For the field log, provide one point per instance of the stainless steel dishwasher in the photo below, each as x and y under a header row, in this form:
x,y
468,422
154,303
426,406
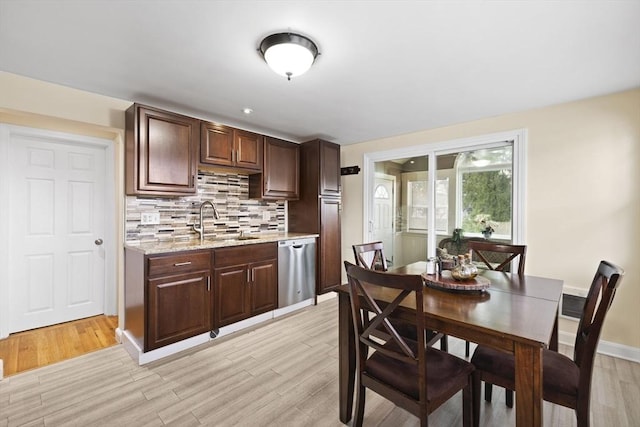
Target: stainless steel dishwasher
x,y
296,271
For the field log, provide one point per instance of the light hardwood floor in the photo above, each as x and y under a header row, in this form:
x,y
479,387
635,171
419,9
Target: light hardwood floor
x,y
283,373
32,349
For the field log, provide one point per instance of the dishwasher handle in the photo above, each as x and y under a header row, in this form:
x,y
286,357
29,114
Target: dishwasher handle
x,y
296,243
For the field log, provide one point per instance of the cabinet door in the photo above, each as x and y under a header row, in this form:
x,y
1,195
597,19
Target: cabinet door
x,y
216,144
166,153
281,169
329,169
264,286
280,177
248,149
232,298
330,248
179,307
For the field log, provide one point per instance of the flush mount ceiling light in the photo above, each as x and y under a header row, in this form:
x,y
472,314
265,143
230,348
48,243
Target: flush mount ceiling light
x,y
288,54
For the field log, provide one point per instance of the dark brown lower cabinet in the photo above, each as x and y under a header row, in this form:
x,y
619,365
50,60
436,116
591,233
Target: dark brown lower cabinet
x,y
179,307
231,294
178,297
330,249
246,282
173,296
167,296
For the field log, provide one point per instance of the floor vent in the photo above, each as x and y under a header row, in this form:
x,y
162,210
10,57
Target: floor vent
x,y
572,302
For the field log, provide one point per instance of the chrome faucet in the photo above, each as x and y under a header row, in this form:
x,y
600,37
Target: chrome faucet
x,y
216,215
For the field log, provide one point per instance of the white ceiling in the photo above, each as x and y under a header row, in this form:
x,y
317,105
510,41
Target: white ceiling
x,y
386,67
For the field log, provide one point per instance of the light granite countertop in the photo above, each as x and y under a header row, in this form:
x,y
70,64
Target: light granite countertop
x,y
149,248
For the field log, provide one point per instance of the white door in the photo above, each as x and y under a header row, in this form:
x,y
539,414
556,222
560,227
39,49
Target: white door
x,y
57,223
383,213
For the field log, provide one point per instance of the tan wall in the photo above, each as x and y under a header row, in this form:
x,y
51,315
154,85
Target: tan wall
x,y
583,188
582,194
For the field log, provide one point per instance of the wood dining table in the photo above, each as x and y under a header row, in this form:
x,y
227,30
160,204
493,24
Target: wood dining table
x,y
516,314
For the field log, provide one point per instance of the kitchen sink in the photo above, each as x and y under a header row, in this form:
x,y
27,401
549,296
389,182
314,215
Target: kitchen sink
x,y
247,238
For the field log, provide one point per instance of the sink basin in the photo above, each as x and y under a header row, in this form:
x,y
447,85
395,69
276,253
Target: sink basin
x,y
247,237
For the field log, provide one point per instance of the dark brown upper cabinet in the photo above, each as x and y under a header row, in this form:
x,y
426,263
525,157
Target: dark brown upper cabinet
x,y
280,177
329,172
231,148
160,152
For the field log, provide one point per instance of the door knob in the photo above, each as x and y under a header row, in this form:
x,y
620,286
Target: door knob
x,y
98,242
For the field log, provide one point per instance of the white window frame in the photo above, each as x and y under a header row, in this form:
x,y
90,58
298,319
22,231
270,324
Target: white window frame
x,y
459,172
519,138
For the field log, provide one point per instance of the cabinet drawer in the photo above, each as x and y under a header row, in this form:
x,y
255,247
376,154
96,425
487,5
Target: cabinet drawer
x,y
178,262
245,254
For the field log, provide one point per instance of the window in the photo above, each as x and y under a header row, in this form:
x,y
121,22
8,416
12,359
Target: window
x,y
485,194
451,201
381,192
418,204
442,205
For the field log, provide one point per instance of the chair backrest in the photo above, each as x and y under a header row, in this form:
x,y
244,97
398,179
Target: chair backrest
x,y
483,251
599,299
363,283
370,255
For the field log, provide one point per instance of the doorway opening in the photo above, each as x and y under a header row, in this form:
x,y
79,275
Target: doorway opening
x,y
474,185
60,225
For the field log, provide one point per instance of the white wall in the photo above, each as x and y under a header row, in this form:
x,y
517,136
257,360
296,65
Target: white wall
x,y
582,189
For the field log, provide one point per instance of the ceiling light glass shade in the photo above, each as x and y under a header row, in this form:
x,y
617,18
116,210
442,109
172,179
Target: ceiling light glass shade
x,y
288,54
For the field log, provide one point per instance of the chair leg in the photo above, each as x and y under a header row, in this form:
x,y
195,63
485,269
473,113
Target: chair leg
x,y
444,343
424,420
467,406
488,388
508,396
582,414
360,400
476,383
466,349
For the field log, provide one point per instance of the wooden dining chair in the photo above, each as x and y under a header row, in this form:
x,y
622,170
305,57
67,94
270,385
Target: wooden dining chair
x,y
565,381
490,253
412,375
371,256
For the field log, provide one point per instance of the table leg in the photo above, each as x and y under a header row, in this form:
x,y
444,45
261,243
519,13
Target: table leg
x,y
528,385
553,344
347,358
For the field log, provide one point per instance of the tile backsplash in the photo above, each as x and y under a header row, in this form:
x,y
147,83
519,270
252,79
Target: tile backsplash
x,y
228,192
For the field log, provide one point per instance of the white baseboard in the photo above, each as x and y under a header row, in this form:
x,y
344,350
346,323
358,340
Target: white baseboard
x,y
327,296
1,370
605,347
294,307
135,351
142,358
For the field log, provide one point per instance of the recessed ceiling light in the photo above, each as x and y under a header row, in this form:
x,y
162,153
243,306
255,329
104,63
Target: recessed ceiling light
x,y
247,111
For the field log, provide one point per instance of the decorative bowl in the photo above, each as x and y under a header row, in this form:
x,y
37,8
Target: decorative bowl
x,y
456,274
